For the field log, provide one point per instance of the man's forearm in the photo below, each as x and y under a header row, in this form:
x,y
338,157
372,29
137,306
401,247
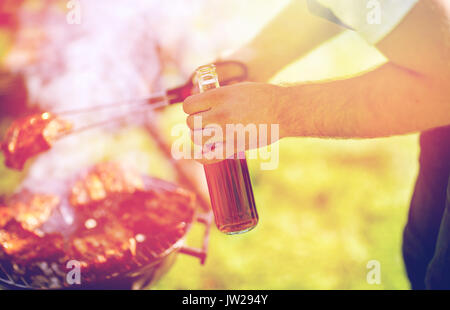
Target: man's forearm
x,y
387,101
289,36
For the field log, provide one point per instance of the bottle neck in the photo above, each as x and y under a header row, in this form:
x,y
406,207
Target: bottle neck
x,y
207,78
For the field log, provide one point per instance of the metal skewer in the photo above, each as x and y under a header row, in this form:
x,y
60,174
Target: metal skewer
x,y
114,120
169,96
159,99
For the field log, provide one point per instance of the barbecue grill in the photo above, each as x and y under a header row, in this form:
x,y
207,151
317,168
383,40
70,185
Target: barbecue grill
x,y
144,265
142,277
137,271
135,267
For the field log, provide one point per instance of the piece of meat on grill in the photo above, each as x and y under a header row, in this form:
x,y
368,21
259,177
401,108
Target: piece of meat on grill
x,y
145,205
151,213
32,210
105,180
5,216
104,248
25,246
123,223
31,136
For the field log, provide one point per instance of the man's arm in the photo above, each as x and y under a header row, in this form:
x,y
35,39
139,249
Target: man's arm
x,y
289,36
409,94
388,101
421,42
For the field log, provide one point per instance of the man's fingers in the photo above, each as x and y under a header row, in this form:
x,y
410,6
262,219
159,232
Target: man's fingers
x,y
220,151
198,121
202,119
196,104
203,102
209,134
193,122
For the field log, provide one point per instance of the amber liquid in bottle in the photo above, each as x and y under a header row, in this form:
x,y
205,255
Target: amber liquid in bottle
x,y
229,183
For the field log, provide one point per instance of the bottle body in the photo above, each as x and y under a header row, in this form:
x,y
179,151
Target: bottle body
x,y
231,195
229,183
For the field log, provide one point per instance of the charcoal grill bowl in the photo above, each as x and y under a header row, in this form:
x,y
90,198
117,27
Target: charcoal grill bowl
x,y
136,280
139,278
151,274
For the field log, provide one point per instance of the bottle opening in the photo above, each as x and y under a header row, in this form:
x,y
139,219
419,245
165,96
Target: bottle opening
x,y
207,77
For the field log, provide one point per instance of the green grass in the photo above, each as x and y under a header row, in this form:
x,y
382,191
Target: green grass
x,y
329,208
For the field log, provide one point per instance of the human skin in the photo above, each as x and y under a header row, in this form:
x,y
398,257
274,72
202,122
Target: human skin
x,y
409,93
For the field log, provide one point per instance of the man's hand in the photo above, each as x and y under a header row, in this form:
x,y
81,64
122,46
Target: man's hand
x,y
241,104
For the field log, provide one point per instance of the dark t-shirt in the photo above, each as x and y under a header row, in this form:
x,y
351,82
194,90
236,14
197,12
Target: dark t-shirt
x,y
426,243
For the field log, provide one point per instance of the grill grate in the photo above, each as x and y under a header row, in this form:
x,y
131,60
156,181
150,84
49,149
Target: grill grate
x,y
48,274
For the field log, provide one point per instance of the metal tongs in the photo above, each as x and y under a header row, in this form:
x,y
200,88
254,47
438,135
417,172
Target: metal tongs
x,y
230,72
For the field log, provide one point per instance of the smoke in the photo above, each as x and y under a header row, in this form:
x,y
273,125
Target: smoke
x,y
120,50
114,54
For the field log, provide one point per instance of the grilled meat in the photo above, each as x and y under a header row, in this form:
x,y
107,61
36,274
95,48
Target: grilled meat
x,y
25,247
32,210
31,136
5,216
123,222
105,180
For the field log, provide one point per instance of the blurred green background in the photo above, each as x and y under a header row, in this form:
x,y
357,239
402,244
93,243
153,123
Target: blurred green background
x,y
328,209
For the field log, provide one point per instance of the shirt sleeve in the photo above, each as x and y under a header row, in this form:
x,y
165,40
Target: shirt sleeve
x,y
372,19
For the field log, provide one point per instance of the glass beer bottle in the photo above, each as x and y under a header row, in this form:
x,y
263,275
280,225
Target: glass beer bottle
x,y
229,184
